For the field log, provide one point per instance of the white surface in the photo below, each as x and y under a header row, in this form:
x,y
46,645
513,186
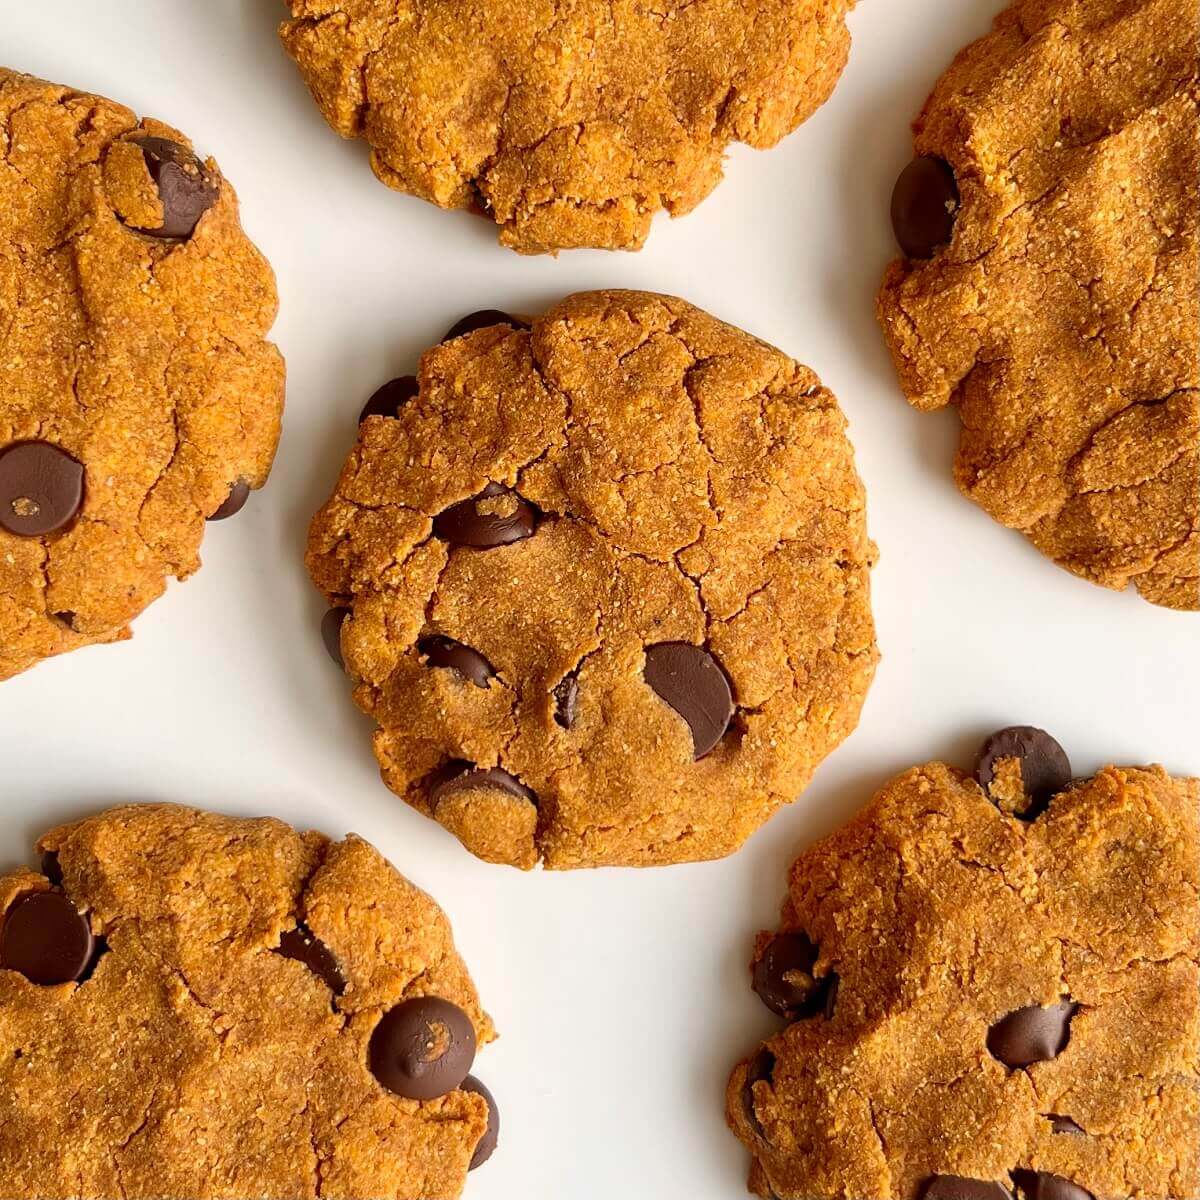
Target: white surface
x,y
621,996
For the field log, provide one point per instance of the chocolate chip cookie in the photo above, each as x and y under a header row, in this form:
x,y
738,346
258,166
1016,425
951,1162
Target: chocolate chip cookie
x,y
989,988
193,1005
1048,290
138,397
566,124
601,578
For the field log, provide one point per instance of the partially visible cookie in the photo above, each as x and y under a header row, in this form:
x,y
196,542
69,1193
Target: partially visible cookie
x,y
138,395
566,124
1049,289
210,1008
601,578
990,988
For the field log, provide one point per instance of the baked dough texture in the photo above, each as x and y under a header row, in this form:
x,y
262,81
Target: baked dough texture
x,y
692,485
1063,319
941,914
567,123
140,356
197,1061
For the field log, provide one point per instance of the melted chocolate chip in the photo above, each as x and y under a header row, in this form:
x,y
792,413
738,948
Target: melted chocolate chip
x,y
331,633
186,188
1041,1185
389,399
957,1187
487,525
47,939
304,946
762,1067
783,978
233,504
1045,768
422,1048
1033,1034
566,701
463,777
691,681
485,318
924,206
491,1135
454,656
41,489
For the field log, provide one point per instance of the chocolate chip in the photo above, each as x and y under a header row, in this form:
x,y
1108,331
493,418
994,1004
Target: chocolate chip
x,y
924,206
463,777
783,978
51,868
1045,768
47,939
304,946
331,633
566,700
496,524
234,502
761,1067
1060,1124
422,1048
454,656
1033,1034
1041,1185
957,1187
483,319
41,489
67,618
491,1136
389,399
691,681
186,188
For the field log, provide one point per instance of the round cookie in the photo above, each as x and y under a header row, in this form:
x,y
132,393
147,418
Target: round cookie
x,y
990,990
602,581
138,397
1049,290
211,1007
567,125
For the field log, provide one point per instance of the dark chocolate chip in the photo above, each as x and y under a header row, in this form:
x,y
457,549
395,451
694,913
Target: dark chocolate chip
x,y
233,504
691,681
389,399
304,946
491,1136
41,489
1041,1185
331,633
761,1067
1061,1124
924,206
422,1048
566,700
465,524
51,867
1045,768
463,777
1033,1034
454,656
186,188
483,319
783,978
956,1187
47,939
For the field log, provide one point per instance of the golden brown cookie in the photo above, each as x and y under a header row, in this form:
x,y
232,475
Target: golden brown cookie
x,y
212,1008
567,124
137,395
1050,286
992,990
602,581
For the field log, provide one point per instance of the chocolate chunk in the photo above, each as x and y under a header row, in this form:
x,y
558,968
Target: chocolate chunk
x,y
51,868
784,981
462,777
566,701
924,206
1041,1185
1060,1124
497,524
1045,768
186,188
304,946
233,504
691,681
41,489
422,1048
1033,1034
956,1187
762,1067
47,939
454,656
389,399
491,1136
483,319
331,633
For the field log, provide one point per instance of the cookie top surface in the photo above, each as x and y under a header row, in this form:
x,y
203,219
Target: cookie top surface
x,y
990,994
1051,293
568,124
137,395
239,982
619,556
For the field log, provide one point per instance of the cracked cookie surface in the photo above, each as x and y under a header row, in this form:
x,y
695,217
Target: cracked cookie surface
x,y
663,624
1062,318
138,396
196,1052
568,124
990,995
